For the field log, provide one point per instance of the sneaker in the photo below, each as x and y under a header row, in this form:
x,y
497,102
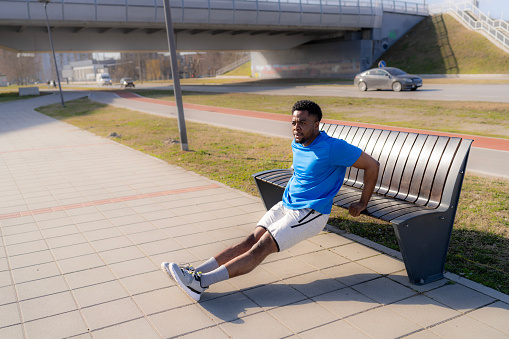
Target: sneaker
x,y
189,281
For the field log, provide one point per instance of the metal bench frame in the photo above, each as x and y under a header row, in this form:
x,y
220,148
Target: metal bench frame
x,y
417,191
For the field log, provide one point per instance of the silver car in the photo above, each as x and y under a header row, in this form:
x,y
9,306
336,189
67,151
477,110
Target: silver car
x,y
387,78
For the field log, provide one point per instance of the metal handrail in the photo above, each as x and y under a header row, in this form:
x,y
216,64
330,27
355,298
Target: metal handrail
x,y
497,29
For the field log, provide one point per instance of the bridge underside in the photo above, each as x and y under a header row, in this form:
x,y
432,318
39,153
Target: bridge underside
x,y
34,38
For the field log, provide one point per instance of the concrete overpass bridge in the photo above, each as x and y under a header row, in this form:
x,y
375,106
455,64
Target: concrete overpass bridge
x,y
287,33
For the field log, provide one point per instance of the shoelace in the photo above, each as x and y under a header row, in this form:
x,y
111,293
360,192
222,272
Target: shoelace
x,y
187,267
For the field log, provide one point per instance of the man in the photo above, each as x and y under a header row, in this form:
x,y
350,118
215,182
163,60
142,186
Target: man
x,y
319,163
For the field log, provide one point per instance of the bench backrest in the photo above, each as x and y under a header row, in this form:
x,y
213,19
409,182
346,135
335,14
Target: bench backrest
x,y
417,168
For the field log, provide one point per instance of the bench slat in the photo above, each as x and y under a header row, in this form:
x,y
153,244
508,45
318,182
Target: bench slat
x,y
431,170
399,168
443,172
356,175
408,172
420,167
390,164
382,155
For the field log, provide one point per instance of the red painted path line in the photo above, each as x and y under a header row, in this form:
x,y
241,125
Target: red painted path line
x,y
482,142
106,201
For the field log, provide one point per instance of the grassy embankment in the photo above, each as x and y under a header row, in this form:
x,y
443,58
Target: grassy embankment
x,y
479,246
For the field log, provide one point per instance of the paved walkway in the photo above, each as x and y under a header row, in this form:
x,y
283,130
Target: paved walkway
x,y
85,223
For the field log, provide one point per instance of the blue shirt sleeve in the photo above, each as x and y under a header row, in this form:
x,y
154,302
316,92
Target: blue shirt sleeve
x,y
343,154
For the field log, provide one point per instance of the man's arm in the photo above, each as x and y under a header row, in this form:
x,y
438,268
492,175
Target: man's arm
x,y
370,167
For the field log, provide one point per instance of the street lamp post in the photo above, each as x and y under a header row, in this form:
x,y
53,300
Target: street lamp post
x,y
176,78
53,50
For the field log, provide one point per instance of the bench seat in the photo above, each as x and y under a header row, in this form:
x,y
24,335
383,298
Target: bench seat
x,y
417,190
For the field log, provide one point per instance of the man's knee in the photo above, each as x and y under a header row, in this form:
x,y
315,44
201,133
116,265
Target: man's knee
x,y
252,238
263,247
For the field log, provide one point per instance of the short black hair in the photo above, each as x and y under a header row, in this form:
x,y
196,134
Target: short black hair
x,y
310,106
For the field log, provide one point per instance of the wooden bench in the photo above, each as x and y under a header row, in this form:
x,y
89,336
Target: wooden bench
x,y
418,189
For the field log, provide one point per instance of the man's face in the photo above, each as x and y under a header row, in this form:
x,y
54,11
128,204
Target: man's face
x,y
304,127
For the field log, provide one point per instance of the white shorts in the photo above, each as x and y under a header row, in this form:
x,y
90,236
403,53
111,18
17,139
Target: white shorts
x,y
289,227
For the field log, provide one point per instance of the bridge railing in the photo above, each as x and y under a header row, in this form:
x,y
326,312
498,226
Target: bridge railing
x,y
322,13
473,17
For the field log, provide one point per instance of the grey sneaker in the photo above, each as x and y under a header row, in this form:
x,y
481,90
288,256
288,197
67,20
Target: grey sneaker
x,y
188,280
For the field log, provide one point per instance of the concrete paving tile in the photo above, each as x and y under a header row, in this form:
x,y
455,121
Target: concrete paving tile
x,y
260,325
41,287
59,326
237,220
204,252
25,248
424,334
303,315
257,277
274,295
459,297
345,302
197,239
423,310
182,256
12,332
19,229
104,233
183,230
66,240
161,246
30,259
57,222
18,221
228,233
73,251
158,215
495,315
198,216
323,259
181,321
146,282
229,307
276,256
119,212
7,295
89,277
384,290
169,222
81,263
111,313
346,330
383,323
466,327
99,293
121,254
9,315
134,329
211,332
60,231
314,283
109,207
95,225
137,228
36,272
214,224
355,251
49,305
4,263
287,268
255,207
162,300
219,290
146,237
133,267
304,247
111,243
351,273
145,206
22,238
127,220
383,264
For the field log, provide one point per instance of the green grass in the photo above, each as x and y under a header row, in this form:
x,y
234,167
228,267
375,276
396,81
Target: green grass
x,y
243,70
479,246
12,96
441,45
473,118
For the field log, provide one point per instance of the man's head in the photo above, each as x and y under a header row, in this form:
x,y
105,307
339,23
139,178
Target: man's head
x,y
306,116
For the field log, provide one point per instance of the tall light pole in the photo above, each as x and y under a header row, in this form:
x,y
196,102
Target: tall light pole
x,y
53,50
176,77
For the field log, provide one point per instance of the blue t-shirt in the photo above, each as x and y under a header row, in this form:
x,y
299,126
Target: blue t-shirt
x,y
319,171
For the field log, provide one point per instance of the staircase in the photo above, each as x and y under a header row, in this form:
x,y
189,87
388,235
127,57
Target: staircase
x,y
497,31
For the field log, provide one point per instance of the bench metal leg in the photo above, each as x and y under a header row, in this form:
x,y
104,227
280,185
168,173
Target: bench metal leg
x,y
270,193
423,243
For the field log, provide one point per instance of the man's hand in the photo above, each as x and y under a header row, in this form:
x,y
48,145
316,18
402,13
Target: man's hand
x,y
356,208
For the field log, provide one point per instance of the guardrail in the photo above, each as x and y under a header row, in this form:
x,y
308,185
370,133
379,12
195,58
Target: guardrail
x,y
277,12
497,29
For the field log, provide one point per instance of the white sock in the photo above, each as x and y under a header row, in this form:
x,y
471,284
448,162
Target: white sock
x,y
217,275
207,266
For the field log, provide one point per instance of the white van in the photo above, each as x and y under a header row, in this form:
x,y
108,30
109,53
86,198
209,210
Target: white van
x,y
103,79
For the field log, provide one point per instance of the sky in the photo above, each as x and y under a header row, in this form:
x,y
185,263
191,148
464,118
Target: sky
x,y
497,8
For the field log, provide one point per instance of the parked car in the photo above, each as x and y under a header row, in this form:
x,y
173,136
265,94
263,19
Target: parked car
x,y
387,78
126,82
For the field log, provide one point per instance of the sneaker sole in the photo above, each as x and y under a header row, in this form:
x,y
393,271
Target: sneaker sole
x,y
195,296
